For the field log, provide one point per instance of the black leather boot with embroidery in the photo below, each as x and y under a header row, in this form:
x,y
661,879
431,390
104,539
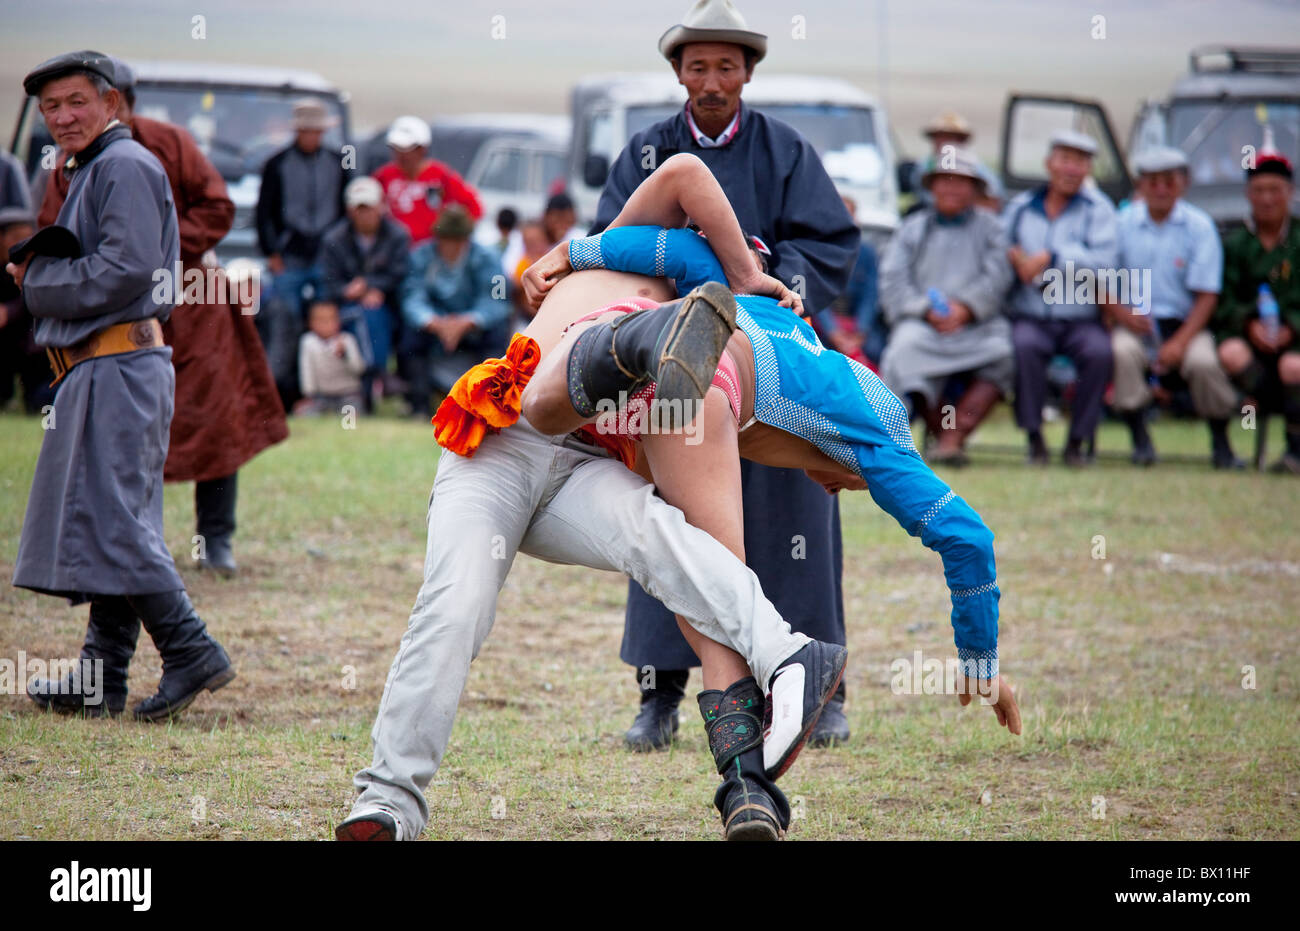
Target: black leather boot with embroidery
x,y
752,807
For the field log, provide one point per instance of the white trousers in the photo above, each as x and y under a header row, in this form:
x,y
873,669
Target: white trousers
x,y
558,500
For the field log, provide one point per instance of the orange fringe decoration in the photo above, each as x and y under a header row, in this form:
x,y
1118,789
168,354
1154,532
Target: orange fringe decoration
x,y
487,398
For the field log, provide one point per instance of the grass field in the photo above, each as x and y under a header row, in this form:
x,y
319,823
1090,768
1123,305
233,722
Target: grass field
x,y
1129,669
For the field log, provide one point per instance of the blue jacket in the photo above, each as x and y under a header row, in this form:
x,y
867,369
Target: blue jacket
x,y
1083,239
473,286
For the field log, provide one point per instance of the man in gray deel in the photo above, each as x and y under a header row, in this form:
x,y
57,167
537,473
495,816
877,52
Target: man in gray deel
x,y
93,529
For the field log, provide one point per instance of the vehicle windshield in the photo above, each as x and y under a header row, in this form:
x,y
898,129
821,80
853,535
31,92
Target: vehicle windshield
x,y
237,128
844,136
1215,135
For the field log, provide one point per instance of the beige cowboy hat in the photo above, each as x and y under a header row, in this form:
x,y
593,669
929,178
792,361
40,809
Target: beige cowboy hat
x,y
310,114
949,122
713,21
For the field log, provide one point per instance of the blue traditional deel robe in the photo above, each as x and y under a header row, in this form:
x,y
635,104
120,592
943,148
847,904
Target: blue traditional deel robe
x,y
93,524
777,187
844,410
780,192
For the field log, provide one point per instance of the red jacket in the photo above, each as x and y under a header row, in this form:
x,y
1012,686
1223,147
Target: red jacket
x,y
416,203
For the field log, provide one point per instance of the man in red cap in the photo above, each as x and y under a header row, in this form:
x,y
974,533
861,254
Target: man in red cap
x,y
1258,317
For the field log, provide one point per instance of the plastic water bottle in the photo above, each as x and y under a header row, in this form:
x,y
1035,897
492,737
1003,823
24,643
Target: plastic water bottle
x,y
938,303
1268,314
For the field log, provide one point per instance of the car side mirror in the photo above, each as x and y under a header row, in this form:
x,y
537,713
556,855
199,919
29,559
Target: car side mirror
x,y
595,171
907,177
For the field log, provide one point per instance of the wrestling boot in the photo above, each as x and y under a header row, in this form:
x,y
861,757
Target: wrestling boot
x,y
1221,454
676,345
657,721
798,692
832,727
373,825
88,689
1144,451
214,506
752,807
192,660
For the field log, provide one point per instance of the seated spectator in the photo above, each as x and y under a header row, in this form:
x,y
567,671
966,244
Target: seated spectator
x,y
365,257
535,246
1060,234
507,229
560,219
20,357
1258,317
454,306
1166,335
851,325
946,131
943,281
329,363
416,187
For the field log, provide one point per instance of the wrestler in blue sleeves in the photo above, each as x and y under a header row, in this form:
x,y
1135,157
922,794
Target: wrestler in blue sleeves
x,y
843,409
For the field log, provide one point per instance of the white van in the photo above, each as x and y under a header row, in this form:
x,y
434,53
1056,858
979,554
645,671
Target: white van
x,y
847,127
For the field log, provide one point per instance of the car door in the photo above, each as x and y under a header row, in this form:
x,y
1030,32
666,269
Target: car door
x,y
1028,123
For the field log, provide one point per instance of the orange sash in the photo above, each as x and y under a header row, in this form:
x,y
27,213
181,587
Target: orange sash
x,y
487,398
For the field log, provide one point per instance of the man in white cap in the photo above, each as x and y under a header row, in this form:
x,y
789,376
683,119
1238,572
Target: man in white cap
x,y
364,259
417,187
300,198
943,281
1166,334
780,193
1058,232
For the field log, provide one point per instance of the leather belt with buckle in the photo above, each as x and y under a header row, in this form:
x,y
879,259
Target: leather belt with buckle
x,y
110,341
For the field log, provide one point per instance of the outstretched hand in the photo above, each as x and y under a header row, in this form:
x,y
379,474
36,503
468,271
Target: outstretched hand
x,y
542,275
1000,696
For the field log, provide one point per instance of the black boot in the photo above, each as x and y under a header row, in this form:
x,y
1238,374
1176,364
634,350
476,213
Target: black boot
x,y
1144,452
1221,454
675,345
751,805
658,719
1037,455
1290,461
192,660
832,727
214,507
97,685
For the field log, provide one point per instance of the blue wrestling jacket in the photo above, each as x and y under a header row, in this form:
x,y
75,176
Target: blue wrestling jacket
x,y
843,409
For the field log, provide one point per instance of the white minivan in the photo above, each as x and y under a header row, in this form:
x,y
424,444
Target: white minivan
x,y
846,126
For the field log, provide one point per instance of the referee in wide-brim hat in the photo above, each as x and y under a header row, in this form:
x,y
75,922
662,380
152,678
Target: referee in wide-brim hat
x,y
782,194
93,529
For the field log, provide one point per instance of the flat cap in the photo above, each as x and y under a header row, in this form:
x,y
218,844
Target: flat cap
x,y
1159,158
1073,139
85,60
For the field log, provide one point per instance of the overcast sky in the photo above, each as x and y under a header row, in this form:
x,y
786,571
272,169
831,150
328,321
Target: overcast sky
x,y
441,57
